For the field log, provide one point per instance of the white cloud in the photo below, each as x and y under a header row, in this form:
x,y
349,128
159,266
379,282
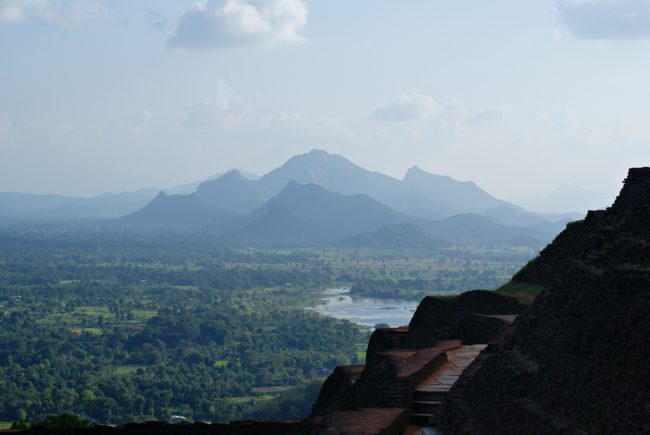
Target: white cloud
x,y
606,19
423,109
407,107
63,13
13,11
214,24
215,110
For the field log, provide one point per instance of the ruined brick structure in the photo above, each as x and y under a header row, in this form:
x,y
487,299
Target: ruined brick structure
x,y
410,370
579,360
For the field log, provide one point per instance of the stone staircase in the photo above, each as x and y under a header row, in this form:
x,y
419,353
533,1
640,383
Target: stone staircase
x,y
424,407
429,394
398,393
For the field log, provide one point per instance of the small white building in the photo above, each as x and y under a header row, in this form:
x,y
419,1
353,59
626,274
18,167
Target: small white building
x,y
179,419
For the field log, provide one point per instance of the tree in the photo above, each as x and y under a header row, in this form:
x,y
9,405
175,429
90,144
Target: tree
x,y
62,421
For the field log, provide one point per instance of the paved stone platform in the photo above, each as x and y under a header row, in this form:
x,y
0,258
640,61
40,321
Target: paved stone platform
x,y
409,362
431,391
444,378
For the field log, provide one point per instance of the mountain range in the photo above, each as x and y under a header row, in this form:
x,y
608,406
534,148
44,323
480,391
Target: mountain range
x,y
316,197
419,194
14,205
319,197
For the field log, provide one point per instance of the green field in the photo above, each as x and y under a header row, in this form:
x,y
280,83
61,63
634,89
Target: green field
x,y
139,328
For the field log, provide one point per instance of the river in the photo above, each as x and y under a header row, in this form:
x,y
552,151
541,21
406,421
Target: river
x,y
338,303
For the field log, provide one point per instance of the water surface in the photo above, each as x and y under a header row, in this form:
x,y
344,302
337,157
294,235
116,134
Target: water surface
x,y
338,303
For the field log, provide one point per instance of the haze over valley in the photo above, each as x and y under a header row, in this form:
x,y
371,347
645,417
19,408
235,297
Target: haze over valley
x,y
313,198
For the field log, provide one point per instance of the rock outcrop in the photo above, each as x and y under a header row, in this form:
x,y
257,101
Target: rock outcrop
x,y
579,360
440,319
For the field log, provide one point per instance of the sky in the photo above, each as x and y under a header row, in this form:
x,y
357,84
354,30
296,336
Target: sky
x,y
522,97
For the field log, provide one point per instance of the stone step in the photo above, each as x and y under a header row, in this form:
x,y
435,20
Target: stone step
x,y
428,407
421,419
429,396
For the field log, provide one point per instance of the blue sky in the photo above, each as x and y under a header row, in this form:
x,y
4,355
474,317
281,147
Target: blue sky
x,y
521,97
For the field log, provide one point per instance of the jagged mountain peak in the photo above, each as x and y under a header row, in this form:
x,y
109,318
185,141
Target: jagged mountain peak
x,y
413,171
316,160
331,171
416,174
319,152
234,174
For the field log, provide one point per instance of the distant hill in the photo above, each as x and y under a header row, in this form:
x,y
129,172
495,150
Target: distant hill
x,y
420,194
23,204
276,226
474,228
450,197
446,196
104,206
332,172
400,236
181,211
234,192
310,213
344,200
320,197
189,188
15,205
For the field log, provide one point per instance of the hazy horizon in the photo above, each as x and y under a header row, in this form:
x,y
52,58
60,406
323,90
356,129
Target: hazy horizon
x,y
522,99
408,245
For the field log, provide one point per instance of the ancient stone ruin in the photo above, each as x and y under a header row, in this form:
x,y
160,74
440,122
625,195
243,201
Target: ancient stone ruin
x,y
409,371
